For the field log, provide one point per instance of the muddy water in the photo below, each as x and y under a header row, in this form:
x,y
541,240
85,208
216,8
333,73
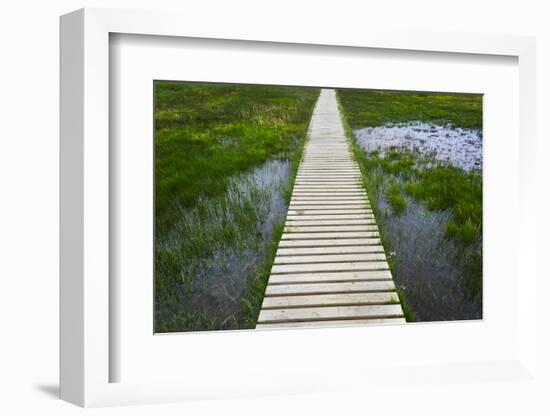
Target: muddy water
x,y
221,245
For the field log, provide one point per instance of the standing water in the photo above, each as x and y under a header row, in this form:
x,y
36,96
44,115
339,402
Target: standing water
x,y
436,273
218,248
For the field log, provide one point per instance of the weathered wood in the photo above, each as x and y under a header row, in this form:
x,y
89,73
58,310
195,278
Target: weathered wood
x,y
304,251
329,267
333,228
330,277
361,198
303,217
329,194
343,221
338,299
344,211
333,287
328,206
334,235
325,324
330,312
329,258
329,242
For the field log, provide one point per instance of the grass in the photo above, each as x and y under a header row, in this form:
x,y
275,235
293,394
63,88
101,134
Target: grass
x,y
448,187
376,108
225,160
402,175
204,133
395,197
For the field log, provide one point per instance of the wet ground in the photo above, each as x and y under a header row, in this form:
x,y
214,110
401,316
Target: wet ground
x,y
432,270
222,245
458,146
437,274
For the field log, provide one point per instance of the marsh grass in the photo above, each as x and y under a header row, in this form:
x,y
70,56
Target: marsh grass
x,y
401,179
205,133
376,108
226,158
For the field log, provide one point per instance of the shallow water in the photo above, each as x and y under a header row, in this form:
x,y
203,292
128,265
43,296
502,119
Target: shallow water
x,y
428,267
436,273
215,271
458,146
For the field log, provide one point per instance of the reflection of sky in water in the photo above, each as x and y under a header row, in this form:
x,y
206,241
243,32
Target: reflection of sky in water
x,y
461,147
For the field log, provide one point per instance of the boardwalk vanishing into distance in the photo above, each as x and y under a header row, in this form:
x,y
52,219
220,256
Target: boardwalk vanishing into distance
x,y
330,268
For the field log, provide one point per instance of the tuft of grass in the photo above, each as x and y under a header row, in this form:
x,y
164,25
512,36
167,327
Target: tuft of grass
x,y
395,197
408,313
448,187
376,108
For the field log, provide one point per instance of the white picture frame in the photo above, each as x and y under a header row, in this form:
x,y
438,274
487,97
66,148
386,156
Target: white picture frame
x,y
85,221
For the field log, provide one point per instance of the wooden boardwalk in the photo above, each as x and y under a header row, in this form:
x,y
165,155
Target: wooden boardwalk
x,y
330,268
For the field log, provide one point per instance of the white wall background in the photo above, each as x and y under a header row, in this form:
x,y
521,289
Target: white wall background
x,y
29,203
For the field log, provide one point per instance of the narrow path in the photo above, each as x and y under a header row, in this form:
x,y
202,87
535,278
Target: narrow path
x,y
330,268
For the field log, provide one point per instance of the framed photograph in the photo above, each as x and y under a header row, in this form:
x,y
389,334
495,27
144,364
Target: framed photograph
x,y
268,213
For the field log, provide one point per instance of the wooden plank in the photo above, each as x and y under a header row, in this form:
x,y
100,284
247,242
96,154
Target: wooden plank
x,y
328,175
358,197
344,211
351,178
337,323
320,199
332,229
330,242
338,299
303,217
355,186
329,267
329,192
302,251
330,277
335,192
344,221
325,171
327,207
328,313
334,287
325,167
330,258
328,181
333,235
362,203
326,196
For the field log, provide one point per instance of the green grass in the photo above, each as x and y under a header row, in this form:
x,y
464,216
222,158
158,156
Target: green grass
x,y
394,196
448,187
209,141
204,133
376,108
